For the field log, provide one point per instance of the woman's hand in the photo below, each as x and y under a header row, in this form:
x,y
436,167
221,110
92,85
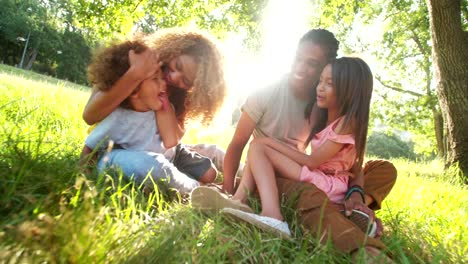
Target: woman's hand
x,y
144,65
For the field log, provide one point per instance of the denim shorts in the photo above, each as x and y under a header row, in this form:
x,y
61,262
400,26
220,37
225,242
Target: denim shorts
x,y
138,165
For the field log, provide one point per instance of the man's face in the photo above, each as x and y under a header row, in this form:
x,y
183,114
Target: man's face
x,y
307,66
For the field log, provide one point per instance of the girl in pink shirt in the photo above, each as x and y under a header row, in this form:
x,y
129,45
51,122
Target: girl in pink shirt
x,y
340,114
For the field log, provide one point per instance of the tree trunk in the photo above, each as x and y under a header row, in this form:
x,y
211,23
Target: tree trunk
x,y
31,59
439,132
450,56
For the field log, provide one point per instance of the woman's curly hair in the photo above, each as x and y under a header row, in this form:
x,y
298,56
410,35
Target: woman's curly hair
x,y
111,62
207,95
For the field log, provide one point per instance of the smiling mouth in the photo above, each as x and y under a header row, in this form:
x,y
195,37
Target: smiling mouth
x,y
299,77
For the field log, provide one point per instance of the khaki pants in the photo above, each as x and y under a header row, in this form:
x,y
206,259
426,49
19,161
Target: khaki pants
x,y
322,218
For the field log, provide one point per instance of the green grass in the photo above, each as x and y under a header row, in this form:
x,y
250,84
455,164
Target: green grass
x,y
51,212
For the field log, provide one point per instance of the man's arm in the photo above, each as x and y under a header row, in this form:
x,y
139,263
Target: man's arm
x,y
244,130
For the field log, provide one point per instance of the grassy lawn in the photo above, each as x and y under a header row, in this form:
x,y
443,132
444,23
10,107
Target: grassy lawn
x,y
52,212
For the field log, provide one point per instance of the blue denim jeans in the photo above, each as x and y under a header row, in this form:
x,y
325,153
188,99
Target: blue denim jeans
x,y
137,164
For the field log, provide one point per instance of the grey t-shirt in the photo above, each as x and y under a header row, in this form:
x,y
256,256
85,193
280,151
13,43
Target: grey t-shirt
x,y
279,114
129,129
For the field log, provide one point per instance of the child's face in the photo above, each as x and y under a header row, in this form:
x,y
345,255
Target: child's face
x,y
153,94
181,72
326,95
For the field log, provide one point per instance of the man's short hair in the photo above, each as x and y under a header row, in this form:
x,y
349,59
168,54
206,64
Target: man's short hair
x,y
324,39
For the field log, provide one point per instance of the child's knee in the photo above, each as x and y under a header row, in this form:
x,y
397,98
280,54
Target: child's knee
x,y
209,176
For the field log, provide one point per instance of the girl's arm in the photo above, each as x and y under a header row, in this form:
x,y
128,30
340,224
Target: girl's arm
x,y
318,156
142,66
169,129
325,152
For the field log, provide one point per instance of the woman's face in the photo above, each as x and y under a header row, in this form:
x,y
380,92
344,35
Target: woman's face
x,y
181,72
326,95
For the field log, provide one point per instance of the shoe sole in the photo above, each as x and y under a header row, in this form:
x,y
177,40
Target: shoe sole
x,y
361,220
209,200
246,218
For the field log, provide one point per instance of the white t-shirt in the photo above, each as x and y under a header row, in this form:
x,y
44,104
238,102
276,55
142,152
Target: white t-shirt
x,y
129,129
279,114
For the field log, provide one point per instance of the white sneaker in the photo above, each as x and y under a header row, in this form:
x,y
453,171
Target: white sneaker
x,y
263,222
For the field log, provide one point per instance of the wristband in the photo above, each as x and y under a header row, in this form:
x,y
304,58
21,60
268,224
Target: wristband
x,y
355,188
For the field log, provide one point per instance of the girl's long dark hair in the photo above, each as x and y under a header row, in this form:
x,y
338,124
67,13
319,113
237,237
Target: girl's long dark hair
x,y
353,83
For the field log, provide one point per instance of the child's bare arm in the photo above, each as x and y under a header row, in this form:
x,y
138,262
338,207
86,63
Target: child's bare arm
x,y
169,129
326,151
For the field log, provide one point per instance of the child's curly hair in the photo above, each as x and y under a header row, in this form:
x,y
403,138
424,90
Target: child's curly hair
x,y
110,63
207,95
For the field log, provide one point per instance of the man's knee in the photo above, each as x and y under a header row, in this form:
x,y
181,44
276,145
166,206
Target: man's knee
x,y
381,168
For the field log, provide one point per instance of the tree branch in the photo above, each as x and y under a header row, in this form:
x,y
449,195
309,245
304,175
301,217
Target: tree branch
x,y
396,88
416,39
136,6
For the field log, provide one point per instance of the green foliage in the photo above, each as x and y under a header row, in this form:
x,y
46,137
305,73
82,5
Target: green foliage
x,y
74,58
62,32
404,96
385,146
14,23
219,17
407,50
51,48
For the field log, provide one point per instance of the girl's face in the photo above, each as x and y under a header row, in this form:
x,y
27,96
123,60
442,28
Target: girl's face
x,y
326,95
181,72
152,94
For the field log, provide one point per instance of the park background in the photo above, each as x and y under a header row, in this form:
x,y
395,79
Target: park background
x,y
52,212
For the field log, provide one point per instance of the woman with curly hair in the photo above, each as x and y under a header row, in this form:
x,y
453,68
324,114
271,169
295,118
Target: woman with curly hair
x,y
190,65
